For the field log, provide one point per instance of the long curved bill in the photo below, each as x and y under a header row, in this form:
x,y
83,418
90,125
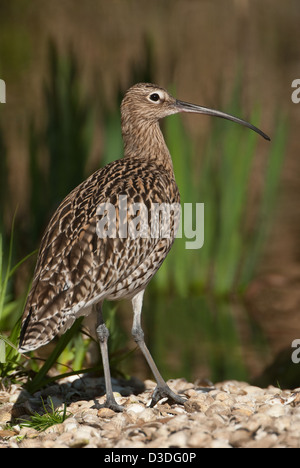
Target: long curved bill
x,y
187,107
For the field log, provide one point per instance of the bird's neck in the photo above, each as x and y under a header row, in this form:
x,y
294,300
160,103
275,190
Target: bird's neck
x,y
145,141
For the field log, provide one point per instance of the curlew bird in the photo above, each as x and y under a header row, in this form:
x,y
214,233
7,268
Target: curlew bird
x,y
81,262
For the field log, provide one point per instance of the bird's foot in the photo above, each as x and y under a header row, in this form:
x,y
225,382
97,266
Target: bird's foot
x,y
111,404
165,392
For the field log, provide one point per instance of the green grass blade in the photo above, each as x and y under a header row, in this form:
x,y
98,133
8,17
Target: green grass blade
x,y
51,416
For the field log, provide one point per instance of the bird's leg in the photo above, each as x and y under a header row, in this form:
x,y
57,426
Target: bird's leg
x,y
103,334
162,390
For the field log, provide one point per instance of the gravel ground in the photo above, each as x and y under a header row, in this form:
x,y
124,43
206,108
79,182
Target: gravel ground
x,y
225,415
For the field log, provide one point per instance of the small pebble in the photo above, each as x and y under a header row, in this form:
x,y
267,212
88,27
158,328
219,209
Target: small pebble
x,y
106,413
135,408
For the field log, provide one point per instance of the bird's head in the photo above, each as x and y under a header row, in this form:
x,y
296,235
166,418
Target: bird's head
x,y
147,102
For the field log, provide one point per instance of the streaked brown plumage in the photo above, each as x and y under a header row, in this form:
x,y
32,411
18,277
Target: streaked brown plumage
x,y
77,268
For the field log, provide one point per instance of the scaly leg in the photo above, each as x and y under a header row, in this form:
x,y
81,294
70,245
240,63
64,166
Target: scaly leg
x,y
162,390
103,334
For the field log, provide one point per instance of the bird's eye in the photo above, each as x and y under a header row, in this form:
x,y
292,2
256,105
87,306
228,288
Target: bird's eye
x,y
154,97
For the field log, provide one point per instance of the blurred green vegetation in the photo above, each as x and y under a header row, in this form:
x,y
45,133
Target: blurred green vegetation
x,y
10,308
187,306
67,138
4,189
202,332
